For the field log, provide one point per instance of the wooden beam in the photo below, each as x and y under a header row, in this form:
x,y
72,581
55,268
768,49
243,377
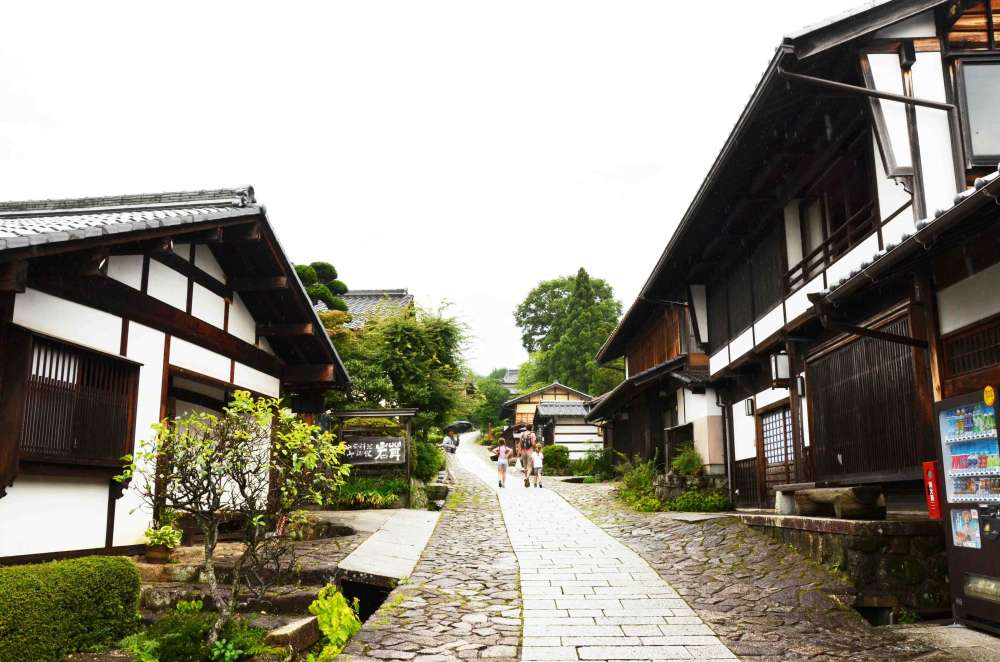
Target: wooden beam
x,y
185,268
259,283
284,330
248,232
13,276
304,374
119,299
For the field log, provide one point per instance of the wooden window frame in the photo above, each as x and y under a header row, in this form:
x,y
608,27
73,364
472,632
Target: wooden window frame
x,y
972,160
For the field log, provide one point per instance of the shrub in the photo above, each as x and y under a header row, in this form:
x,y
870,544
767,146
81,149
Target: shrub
x,y
166,535
51,609
370,492
325,271
556,459
337,286
182,636
637,484
306,274
694,501
687,462
428,460
337,304
338,621
320,292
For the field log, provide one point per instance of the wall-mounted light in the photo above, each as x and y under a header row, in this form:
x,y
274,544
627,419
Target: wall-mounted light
x,y
748,406
780,367
800,385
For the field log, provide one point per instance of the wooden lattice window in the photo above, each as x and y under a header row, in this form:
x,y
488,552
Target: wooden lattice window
x,y
79,405
972,350
776,429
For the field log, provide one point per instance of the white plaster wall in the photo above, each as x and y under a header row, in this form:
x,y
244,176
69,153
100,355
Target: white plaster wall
x,y
769,324
699,405
888,77
183,250
167,285
145,345
265,345
208,306
891,194
126,269
893,231
915,27
719,360
936,154
969,300
241,323
42,514
186,355
256,380
793,233
770,395
798,302
741,344
805,416
852,260
67,320
744,433
204,260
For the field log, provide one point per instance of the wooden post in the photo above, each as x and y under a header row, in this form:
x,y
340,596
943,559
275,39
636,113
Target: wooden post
x,y
409,465
795,409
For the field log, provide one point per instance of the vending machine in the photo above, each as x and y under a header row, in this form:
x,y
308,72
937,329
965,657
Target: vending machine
x,y
970,455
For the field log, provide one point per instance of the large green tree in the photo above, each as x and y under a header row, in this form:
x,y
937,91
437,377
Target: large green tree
x,y
488,401
564,322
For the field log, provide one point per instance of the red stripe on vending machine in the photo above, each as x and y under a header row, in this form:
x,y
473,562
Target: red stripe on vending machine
x,y
932,490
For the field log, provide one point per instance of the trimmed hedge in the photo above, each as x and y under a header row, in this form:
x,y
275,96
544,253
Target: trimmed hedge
x,y
49,610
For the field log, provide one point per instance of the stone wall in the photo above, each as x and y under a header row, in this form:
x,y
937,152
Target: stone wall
x,y
892,563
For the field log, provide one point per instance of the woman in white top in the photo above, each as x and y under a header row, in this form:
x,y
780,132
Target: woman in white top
x,y
536,463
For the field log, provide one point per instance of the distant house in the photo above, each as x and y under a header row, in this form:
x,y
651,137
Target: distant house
x,y
509,380
116,313
521,410
564,423
362,304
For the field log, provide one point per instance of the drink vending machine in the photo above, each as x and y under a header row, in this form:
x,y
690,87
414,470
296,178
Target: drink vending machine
x,y
970,455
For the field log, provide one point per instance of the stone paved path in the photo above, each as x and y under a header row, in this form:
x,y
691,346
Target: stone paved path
x,y
765,600
461,602
587,596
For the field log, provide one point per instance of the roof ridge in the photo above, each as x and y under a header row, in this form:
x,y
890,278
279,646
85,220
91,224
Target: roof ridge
x,y
400,292
236,197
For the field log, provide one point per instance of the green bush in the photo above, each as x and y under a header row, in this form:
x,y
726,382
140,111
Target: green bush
x,y
306,274
182,636
325,271
637,484
694,501
370,492
338,621
336,303
687,462
428,460
48,610
338,287
556,459
320,292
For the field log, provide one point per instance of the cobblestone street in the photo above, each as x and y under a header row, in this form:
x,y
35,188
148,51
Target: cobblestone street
x,y
764,600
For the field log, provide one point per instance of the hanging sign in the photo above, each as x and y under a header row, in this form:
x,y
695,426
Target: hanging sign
x,y
932,490
374,450
989,396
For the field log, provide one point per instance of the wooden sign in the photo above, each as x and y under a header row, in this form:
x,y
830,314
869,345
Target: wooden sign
x,y
374,450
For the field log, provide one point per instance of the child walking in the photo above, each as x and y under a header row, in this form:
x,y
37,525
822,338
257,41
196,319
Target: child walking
x,y
503,453
536,464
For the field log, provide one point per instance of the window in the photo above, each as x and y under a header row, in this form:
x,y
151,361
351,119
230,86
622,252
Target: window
x,y
779,447
78,404
979,86
768,267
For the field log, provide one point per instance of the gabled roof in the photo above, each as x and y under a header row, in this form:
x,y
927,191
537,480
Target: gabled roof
x,y
48,229
561,408
510,377
361,304
525,396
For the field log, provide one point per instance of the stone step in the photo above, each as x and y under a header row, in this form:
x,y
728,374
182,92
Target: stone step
x,y
280,600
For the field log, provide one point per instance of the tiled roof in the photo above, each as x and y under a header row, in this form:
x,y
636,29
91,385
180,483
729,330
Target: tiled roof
x,y
35,222
551,408
361,304
510,377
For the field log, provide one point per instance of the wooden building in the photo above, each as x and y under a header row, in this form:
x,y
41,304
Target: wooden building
x,y
521,410
664,401
848,157
565,423
118,312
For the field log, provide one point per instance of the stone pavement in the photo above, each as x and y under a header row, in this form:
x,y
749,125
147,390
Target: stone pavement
x,y
392,551
461,601
587,596
764,600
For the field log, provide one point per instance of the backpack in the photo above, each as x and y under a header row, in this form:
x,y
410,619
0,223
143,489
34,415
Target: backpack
x,y
526,439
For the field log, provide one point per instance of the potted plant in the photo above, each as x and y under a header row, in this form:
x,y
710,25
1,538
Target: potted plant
x,y
160,543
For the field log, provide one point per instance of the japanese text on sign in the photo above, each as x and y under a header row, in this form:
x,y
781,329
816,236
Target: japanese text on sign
x,y
375,450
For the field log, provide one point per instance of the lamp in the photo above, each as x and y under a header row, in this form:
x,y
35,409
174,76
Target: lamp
x,y
780,370
748,406
800,385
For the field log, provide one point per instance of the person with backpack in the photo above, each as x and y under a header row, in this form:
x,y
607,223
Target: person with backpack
x,y
525,448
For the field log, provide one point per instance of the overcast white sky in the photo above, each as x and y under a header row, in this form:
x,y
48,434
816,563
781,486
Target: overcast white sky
x,y
464,150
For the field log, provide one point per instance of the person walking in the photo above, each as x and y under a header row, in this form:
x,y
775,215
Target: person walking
x,y
503,453
536,463
526,446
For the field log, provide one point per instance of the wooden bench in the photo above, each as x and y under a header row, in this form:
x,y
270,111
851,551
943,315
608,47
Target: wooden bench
x,y
857,502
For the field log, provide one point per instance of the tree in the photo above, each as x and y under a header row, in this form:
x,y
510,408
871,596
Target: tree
x,y
545,305
488,401
256,460
320,281
566,320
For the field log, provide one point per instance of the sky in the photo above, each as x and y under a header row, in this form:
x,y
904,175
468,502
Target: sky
x,y
463,150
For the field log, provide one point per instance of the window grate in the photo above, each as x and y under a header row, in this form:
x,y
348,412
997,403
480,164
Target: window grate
x,y
973,350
